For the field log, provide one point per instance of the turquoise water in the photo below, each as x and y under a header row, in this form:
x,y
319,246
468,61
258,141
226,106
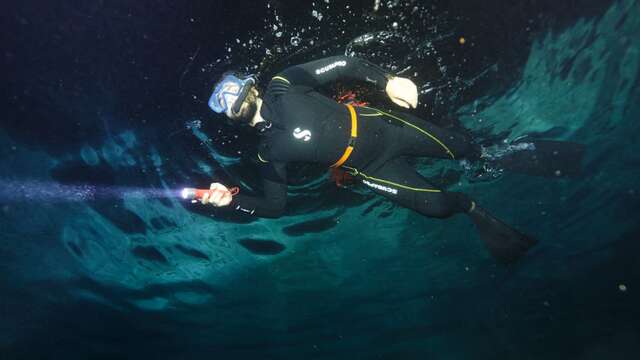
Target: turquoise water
x,y
354,277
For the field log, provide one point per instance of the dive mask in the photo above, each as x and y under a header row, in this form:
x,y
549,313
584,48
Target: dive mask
x,y
230,93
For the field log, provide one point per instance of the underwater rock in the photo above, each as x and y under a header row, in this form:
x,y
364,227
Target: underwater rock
x,y
89,155
262,247
74,247
77,172
124,219
160,223
312,226
153,304
149,253
192,252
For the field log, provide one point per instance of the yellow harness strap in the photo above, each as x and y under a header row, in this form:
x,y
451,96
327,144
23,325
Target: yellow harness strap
x,y
352,139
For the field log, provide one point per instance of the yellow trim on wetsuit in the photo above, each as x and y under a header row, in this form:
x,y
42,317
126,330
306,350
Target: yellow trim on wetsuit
x,y
417,128
354,135
356,173
261,159
281,78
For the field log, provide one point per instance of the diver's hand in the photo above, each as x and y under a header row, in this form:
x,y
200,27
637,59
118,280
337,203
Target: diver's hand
x,y
218,195
403,92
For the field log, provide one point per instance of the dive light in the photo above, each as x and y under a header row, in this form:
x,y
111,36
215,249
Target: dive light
x,y
195,195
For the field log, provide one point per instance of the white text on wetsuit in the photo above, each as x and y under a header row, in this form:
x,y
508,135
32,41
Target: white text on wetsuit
x,y
329,67
381,187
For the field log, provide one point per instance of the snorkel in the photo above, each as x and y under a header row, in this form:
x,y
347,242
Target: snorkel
x,y
242,96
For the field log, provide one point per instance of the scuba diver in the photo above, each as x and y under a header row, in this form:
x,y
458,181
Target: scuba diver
x,y
298,124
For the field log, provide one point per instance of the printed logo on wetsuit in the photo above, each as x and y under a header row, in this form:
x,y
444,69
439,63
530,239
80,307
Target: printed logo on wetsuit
x,y
381,187
305,135
330,67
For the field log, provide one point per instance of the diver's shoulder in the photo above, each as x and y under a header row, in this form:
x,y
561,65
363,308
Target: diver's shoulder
x,y
278,85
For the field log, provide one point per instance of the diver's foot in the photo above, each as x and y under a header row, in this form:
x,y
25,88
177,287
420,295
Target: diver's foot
x,y
506,148
534,157
481,170
489,164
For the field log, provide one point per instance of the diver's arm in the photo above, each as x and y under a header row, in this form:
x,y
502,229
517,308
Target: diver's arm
x,y
273,202
331,69
401,91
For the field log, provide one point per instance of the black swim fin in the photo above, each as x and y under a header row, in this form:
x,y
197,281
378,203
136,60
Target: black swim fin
x,y
547,158
506,244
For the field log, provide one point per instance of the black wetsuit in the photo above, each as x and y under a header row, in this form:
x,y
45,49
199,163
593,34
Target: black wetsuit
x,y
303,125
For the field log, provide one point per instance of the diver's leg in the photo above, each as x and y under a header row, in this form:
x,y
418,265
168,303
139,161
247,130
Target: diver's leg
x,y
417,137
398,181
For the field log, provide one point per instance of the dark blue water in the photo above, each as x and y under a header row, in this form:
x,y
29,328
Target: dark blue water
x,y
105,117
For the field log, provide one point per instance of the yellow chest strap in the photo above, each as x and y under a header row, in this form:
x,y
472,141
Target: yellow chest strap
x,y
354,135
